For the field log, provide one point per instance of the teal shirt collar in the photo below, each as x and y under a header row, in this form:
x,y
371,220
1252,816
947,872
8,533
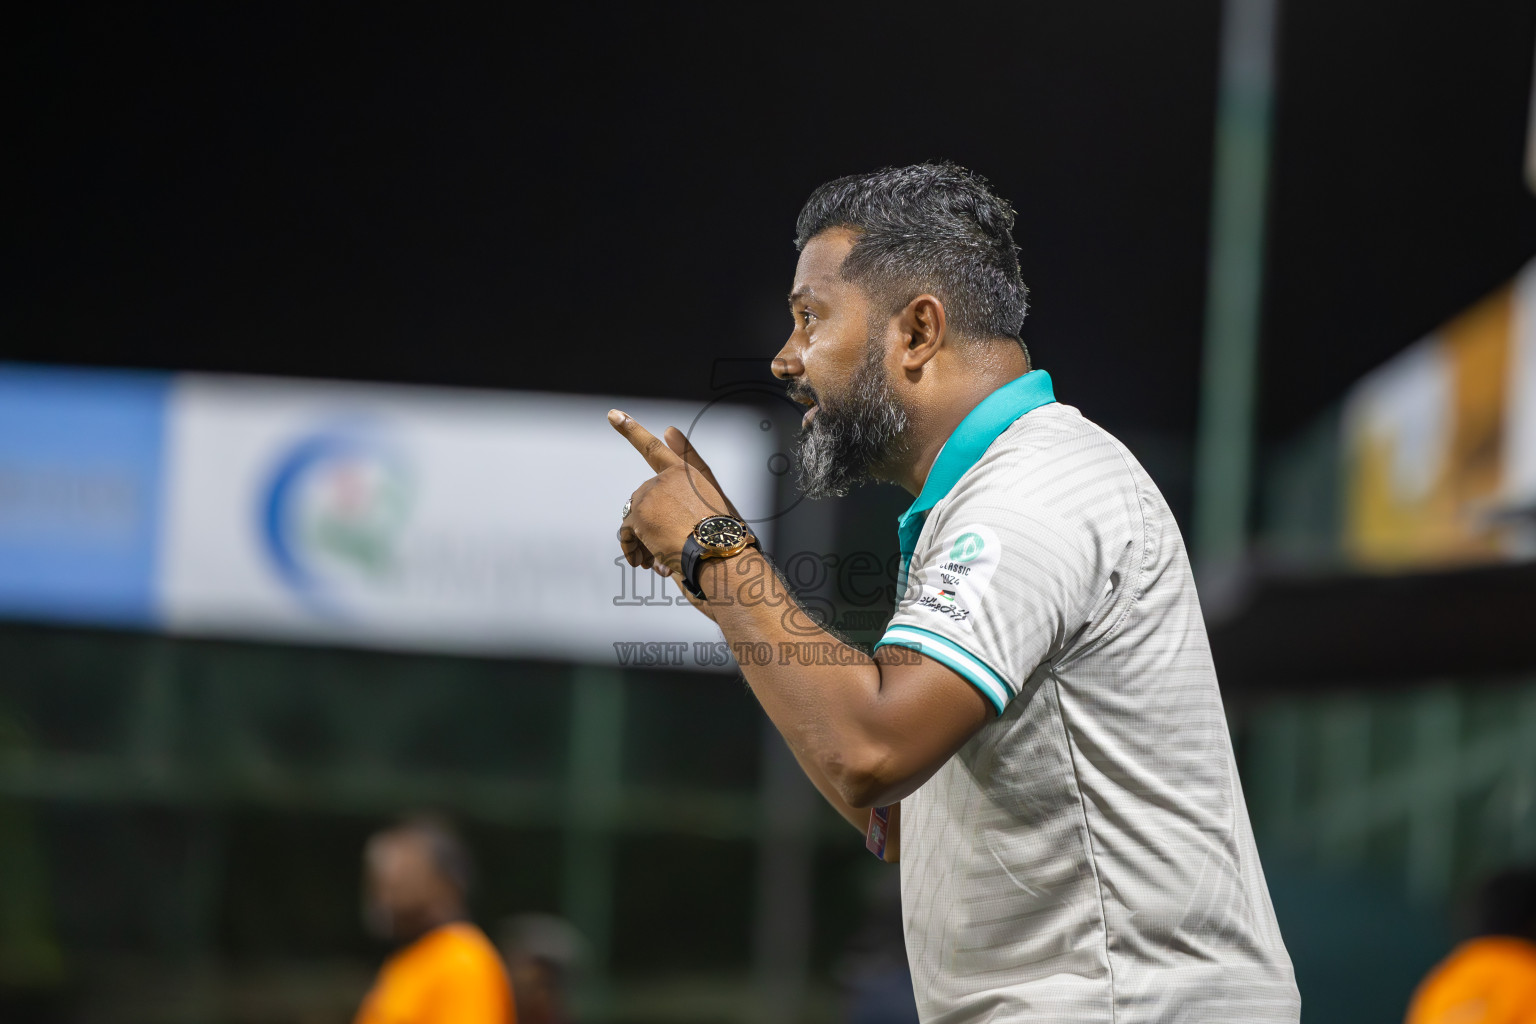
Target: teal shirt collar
x,y
975,434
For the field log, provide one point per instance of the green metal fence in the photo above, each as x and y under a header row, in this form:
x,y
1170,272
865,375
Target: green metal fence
x,y
1434,786
190,815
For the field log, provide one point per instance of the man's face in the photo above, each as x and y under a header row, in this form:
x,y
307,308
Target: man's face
x,y
836,363
403,885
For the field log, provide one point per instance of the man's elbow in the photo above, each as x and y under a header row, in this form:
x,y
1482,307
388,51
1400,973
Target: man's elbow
x,y
867,779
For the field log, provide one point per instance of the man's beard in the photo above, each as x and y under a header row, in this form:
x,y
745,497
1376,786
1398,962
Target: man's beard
x,y
852,439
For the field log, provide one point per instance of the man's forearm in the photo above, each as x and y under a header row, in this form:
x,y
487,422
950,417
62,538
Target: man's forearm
x,y
858,817
867,730
823,695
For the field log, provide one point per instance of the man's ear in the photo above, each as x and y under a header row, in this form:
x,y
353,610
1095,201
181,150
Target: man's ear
x,y
922,327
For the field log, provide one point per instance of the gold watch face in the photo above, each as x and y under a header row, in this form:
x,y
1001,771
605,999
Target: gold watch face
x,y
720,533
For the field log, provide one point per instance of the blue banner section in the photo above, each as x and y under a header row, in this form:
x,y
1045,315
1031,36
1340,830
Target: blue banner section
x,y
81,489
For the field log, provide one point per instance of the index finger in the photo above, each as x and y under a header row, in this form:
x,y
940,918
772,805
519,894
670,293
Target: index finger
x,y
646,443
679,443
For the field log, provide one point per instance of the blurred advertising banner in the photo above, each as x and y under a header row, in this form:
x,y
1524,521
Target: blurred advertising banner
x,y
1440,443
388,516
81,490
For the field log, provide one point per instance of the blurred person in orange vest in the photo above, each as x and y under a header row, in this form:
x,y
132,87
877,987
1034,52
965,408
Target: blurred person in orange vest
x,y
445,970
1490,979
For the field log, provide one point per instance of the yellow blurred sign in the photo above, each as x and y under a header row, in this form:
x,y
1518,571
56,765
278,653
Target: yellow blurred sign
x,y
1440,443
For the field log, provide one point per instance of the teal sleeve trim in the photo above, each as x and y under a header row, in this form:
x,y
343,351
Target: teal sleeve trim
x,y
945,651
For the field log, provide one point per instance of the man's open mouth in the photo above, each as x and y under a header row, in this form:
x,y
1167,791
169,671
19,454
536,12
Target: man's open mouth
x,y
805,396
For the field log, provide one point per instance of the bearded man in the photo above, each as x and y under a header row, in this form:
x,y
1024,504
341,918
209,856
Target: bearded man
x,y
1039,730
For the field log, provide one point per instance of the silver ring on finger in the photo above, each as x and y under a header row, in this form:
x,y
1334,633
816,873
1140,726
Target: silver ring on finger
x,y
625,514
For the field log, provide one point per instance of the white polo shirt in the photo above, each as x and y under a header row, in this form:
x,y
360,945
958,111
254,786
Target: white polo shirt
x,y
1087,856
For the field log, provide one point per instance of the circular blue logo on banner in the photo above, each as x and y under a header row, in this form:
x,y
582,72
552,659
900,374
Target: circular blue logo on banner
x,y
335,507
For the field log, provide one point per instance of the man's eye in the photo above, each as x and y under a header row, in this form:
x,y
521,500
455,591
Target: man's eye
x,y
806,316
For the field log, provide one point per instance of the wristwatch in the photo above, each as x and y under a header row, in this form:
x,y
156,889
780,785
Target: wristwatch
x,y
713,537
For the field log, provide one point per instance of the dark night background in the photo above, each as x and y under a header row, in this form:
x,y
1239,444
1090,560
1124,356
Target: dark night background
x,y
593,199
602,201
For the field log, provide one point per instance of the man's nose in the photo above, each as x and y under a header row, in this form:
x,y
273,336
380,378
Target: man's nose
x,y
787,364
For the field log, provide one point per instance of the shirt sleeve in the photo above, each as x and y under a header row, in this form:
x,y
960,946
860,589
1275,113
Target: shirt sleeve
x,y
1000,582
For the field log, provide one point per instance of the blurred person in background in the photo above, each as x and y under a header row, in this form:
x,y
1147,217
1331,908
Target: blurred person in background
x,y
1490,979
445,970
543,953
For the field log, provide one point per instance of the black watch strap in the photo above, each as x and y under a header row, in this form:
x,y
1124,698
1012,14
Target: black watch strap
x,y
693,556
